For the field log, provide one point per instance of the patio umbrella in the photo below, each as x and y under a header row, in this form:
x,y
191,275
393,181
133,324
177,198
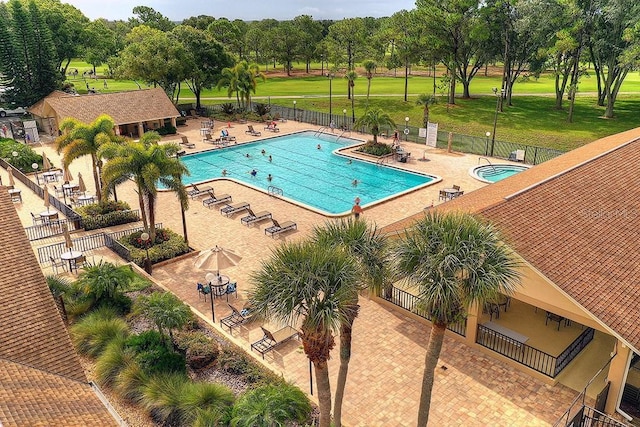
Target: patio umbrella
x,y
81,187
46,164
66,175
216,259
12,183
67,237
45,196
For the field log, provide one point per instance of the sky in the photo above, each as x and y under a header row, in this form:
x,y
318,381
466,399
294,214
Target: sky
x,y
247,10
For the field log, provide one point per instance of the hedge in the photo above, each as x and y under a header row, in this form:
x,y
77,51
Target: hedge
x,y
170,248
106,214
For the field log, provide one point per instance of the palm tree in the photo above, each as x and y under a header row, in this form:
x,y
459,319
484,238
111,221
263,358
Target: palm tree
x,y
312,284
425,100
78,140
370,67
453,260
351,76
374,120
147,163
165,310
370,250
241,79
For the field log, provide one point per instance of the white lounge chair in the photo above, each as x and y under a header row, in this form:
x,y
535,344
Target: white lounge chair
x,y
255,217
235,208
213,200
195,192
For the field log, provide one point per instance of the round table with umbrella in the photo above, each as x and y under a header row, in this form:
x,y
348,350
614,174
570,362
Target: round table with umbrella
x,y
216,259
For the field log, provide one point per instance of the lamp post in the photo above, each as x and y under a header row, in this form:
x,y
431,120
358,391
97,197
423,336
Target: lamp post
x,y
406,128
147,262
330,77
486,147
294,110
209,278
35,169
495,117
344,118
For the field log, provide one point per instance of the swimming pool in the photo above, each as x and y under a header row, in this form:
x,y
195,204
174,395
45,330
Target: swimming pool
x,y
320,179
495,173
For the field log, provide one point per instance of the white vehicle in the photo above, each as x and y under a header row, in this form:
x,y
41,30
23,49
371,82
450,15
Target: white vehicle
x,y
12,111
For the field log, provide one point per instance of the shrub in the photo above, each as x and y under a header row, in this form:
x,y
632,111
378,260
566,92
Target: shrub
x,y
213,399
95,331
130,381
102,285
26,156
102,208
228,108
378,149
112,361
166,130
237,363
262,109
168,249
199,350
273,404
162,394
106,214
166,310
153,356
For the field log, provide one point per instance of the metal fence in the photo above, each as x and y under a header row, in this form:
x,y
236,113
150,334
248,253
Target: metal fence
x,y
464,143
409,302
529,356
52,228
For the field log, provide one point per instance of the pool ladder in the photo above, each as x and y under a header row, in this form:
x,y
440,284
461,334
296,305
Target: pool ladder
x,y
488,161
274,191
320,131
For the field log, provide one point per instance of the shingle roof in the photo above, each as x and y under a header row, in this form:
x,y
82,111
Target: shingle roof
x,y
576,219
35,349
123,107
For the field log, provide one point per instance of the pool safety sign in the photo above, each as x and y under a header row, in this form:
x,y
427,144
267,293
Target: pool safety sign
x,y
432,134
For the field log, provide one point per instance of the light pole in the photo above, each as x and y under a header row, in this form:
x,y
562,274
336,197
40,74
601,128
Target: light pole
x,y
35,169
486,147
344,118
330,77
495,117
209,278
406,128
294,110
147,262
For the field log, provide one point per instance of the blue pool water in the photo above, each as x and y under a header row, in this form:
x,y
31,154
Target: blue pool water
x,y
317,178
495,173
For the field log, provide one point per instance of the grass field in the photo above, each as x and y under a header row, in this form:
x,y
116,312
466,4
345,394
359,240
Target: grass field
x,y
532,119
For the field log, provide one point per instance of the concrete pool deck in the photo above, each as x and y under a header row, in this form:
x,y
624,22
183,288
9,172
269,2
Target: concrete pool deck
x,y
388,347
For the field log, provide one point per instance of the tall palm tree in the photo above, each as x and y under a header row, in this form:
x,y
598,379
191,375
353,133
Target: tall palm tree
x,y
78,140
369,67
425,100
148,163
241,79
312,284
370,250
351,77
453,260
375,120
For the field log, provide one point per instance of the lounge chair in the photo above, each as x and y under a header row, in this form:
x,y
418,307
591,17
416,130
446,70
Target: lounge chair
x,y
225,137
251,131
272,340
213,200
278,228
273,127
186,143
235,208
208,138
517,156
195,192
255,217
236,318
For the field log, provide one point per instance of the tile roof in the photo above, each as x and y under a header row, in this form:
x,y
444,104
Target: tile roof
x,y
576,219
35,348
123,107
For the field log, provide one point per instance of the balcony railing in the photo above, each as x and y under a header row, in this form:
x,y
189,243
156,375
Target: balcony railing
x,y
409,302
529,356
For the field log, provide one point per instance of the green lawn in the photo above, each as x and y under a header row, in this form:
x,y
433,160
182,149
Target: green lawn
x,y
531,120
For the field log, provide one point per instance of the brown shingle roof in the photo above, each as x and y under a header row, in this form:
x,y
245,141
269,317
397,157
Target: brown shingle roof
x,y
35,348
123,107
577,221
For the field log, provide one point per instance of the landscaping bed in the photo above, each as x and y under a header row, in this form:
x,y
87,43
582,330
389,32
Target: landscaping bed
x,y
167,245
106,214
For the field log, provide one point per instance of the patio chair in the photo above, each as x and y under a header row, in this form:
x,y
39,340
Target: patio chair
x,y
252,131
195,192
213,200
255,217
442,195
278,228
37,219
203,291
208,138
186,143
57,264
59,191
272,340
235,208
517,156
456,187
236,318
81,261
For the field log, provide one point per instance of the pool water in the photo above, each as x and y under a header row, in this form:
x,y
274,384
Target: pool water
x,y
495,173
317,178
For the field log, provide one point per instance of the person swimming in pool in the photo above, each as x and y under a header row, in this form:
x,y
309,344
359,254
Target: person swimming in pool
x,y
247,155
349,161
270,159
355,182
253,172
269,177
224,172
319,147
263,152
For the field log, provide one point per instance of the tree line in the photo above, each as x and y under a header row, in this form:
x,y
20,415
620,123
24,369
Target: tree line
x,y
525,37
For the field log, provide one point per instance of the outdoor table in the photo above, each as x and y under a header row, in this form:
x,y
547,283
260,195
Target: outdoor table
x,y
205,131
452,193
47,216
69,188
16,195
85,199
51,176
218,286
70,256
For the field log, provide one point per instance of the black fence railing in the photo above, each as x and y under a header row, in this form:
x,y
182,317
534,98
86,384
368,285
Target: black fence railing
x,y
409,302
588,416
464,143
83,244
529,356
50,229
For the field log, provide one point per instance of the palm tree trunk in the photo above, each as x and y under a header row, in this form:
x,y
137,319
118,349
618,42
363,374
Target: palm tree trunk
x,y
324,392
96,176
143,209
345,357
152,217
430,363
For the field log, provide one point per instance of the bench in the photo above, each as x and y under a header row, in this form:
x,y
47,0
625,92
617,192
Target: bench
x,y
272,340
